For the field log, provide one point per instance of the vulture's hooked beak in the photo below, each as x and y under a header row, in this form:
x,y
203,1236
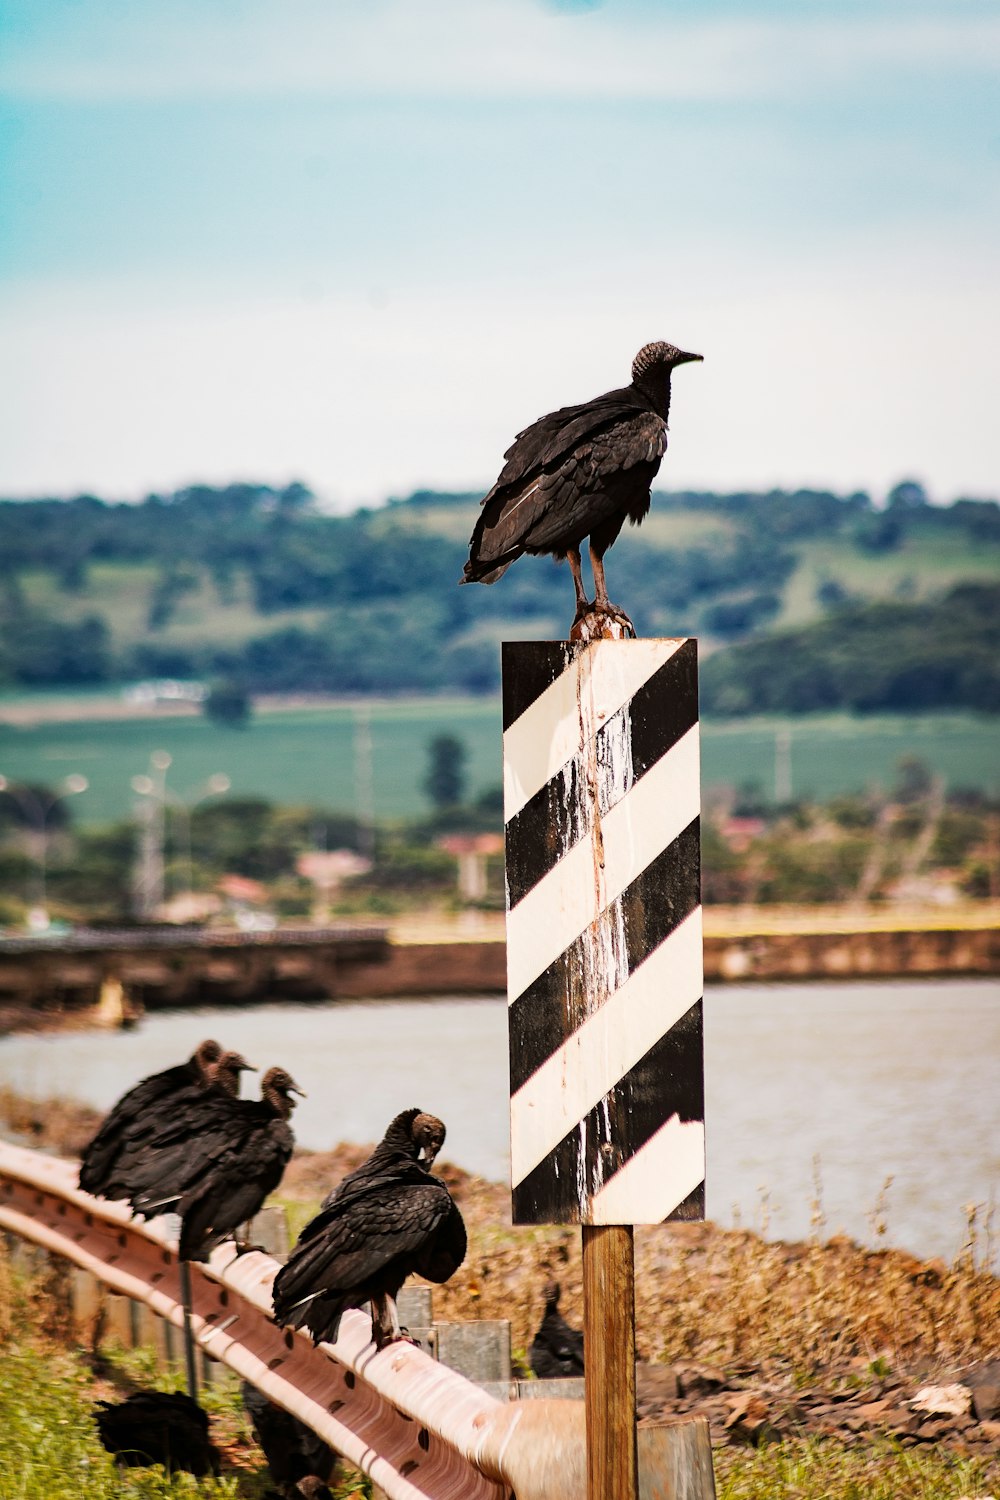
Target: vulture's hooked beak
x,y
244,1067
293,1088
684,359
428,1155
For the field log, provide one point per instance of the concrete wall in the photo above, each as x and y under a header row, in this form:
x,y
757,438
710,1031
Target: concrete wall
x,y
853,955
475,968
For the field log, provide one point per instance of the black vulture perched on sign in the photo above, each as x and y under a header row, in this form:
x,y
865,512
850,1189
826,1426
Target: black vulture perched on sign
x,y
158,1427
216,1162
579,472
100,1156
557,1349
295,1454
388,1220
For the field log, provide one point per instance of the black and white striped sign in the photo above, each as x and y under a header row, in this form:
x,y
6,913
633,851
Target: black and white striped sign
x,y
604,949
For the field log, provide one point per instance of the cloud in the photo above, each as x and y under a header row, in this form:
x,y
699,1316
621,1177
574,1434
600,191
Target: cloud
x,y
826,379
490,49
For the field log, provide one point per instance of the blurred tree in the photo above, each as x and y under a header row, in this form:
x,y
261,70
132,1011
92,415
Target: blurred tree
x,y
445,779
228,702
909,494
913,779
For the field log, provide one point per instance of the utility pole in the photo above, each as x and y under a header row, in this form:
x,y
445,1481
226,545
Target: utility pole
x,y
364,779
151,816
148,885
37,810
783,766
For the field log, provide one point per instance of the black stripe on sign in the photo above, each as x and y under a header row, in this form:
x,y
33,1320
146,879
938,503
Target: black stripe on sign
x,y
553,1006
667,1081
558,815
526,674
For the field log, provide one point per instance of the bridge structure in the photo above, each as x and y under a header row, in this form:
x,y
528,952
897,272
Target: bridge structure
x,y
157,966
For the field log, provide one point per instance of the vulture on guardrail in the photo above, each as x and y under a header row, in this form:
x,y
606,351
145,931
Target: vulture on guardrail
x,y
388,1220
213,1160
163,1119
134,1110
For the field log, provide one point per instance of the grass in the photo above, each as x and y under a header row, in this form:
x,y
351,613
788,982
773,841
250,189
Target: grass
x,y
922,567
790,1316
307,755
121,594
817,1470
49,1449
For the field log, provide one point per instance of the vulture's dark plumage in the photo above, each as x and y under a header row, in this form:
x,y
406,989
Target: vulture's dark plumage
x,y
557,1349
158,1427
579,472
150,1146
216,1162
294,1453
386,1221
136,1108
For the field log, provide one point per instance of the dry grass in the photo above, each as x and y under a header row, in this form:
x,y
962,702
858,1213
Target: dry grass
x,y
726,1297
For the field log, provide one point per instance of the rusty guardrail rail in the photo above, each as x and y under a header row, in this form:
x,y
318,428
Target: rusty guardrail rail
x,y
421,1431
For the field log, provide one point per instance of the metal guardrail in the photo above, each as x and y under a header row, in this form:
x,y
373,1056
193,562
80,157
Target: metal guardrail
x,y
413,1425
421,1431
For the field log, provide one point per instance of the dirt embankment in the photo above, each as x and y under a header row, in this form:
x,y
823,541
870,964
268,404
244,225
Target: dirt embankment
x,y
765,1339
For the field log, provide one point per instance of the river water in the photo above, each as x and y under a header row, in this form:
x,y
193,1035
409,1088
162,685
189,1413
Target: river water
x,y
848,1084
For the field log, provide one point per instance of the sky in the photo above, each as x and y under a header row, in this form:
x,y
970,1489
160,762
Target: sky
x,y
362,243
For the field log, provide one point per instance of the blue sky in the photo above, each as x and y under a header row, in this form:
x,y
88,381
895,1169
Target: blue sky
x,y
362,242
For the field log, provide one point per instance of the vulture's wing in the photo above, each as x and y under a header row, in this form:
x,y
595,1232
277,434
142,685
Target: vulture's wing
x,y
189,1146
546,442
556,505
356,1242
234,1190
124,1118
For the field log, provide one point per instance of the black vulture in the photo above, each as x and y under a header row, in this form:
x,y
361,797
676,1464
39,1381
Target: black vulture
x,y
167,1120
557,1349
158,1427
295,1454
216,1162
101,1154
388,1220
579,472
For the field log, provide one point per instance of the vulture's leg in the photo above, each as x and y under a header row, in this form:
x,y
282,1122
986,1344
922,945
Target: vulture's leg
x,y
576,568
602,604
385,1322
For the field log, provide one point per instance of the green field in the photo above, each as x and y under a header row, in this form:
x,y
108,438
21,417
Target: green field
x,y
307,756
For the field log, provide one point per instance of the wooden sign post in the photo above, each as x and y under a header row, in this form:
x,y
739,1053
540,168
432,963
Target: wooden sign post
x,y
604,972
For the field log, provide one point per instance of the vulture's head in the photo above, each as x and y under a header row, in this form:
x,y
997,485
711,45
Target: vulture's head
x,y
658,359
427,1133
278,1086
225,1074
206,1054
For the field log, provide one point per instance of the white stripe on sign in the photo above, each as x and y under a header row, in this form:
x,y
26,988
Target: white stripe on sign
x,y
595,685
570,898
659,1176
587,1066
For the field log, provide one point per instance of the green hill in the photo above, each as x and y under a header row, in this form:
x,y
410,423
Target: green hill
x,y
256,583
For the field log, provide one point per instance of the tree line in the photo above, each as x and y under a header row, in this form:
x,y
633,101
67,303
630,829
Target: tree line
x,y
375,606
